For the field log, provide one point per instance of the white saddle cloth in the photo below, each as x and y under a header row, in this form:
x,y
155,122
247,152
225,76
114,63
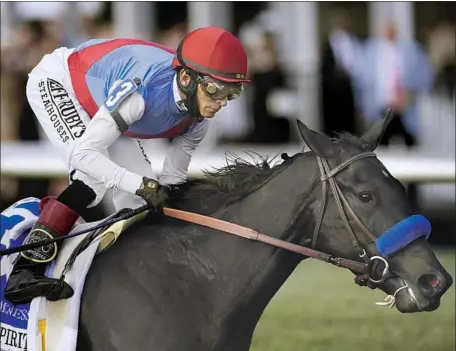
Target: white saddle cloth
x,y
43,325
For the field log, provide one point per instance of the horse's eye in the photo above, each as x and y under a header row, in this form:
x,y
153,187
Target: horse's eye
x,y
366,196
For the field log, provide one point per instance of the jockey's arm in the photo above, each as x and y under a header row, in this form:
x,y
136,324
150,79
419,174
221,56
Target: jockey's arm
x,y
90,154
180,153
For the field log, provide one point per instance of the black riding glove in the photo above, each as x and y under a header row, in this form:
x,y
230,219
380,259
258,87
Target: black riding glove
x,y
156,195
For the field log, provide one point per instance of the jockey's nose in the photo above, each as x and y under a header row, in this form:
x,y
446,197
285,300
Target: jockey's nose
x,y
223,102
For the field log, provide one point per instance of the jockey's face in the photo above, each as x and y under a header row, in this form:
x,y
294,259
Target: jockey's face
x,y
209,106
212,94
217,91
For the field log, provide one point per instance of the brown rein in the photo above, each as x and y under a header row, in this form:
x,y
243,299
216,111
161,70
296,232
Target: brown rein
x,y
326,175
253,235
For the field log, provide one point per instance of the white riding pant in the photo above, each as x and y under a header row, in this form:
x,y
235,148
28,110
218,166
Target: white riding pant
x,y
63,119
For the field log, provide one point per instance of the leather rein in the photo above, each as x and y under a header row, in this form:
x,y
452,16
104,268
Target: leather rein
x,y
327,176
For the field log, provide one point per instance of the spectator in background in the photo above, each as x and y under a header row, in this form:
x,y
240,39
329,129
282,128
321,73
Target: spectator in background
x,y
442,47
395,72
266,75
340,60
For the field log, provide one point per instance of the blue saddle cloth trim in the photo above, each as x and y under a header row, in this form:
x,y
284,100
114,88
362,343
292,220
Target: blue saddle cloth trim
x,y
14,319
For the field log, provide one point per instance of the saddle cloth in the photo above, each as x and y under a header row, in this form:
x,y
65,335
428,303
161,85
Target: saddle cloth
x,y
43,325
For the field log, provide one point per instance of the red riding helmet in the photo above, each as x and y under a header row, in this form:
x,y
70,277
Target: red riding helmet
x,y
215,52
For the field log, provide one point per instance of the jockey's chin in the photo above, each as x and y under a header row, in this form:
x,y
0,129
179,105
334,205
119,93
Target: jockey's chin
x,y
209,112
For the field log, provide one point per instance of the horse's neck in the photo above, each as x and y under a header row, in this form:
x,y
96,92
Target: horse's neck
x,y
253,272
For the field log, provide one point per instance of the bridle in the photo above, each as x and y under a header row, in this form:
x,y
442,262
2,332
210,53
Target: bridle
x,y
364,269
328,175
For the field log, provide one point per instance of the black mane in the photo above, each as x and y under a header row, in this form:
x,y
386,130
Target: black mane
x,y
227,184
239,178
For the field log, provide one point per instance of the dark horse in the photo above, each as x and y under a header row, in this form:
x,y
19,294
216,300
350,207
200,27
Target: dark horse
x,y
170,285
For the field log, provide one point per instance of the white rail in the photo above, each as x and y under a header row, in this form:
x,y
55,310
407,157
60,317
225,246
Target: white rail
x,y
40,160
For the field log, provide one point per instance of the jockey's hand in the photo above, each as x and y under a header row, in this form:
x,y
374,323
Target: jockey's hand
x,y
156,195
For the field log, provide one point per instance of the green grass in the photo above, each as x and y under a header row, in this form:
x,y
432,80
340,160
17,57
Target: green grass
x,y
320,308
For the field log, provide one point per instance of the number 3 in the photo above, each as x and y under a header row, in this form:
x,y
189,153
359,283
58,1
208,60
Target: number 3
x,y
126,87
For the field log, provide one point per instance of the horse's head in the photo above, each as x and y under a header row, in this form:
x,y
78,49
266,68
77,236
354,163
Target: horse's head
x,y
373,221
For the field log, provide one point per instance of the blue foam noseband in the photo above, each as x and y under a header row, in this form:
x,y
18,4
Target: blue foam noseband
x,y
402,234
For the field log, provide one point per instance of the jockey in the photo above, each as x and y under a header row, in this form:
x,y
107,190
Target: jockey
x,y
100,104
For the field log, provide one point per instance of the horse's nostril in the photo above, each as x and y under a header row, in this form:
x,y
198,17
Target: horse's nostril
x,y
431,284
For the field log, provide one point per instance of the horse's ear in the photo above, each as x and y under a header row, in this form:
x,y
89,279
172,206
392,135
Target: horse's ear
x,y
372,137
317,142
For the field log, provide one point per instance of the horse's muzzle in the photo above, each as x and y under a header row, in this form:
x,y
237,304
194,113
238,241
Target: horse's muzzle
x,y
425,294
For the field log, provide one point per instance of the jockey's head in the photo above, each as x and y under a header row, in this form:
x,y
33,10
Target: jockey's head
x,y
212,67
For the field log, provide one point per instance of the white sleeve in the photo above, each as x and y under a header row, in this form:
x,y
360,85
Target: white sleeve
x,y
180,153
90,154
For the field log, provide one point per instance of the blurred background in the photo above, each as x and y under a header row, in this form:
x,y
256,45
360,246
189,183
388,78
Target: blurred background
x,y
334,65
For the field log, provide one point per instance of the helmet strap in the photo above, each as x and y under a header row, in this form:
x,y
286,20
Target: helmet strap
x,y
190,93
